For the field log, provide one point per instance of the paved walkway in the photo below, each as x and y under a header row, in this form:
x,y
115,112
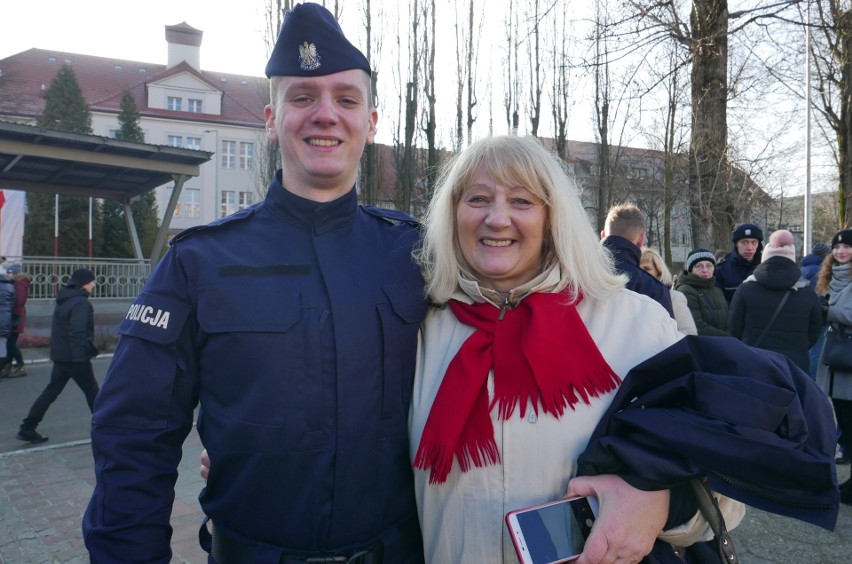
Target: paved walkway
x,y
44,491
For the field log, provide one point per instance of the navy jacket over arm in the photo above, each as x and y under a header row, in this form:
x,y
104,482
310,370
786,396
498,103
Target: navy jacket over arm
x,y
750,420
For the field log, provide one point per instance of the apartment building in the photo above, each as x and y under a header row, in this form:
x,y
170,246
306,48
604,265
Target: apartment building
x,y
180,104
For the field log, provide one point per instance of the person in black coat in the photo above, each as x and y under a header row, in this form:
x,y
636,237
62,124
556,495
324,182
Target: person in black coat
x,y
797,326
624,235
71,350
742,260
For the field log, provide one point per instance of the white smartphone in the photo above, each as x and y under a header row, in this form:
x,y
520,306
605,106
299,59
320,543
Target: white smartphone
x,y
552,532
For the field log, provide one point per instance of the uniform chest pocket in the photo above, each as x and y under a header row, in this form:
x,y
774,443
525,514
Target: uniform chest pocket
x,y
261,360
400,318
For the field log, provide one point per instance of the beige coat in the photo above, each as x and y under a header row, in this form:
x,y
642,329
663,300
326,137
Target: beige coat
x,y
462,519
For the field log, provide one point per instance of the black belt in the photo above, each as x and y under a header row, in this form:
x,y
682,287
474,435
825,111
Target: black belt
x,y
228,550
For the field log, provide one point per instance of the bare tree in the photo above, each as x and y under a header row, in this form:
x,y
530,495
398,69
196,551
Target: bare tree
x,y
512,86
559,84
430,117
831,56
536,78
705,36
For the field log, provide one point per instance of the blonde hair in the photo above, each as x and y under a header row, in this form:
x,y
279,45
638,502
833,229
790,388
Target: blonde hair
x,y
569,242
649,254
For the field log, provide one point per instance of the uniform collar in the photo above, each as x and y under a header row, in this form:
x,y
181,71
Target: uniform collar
x,y
320,216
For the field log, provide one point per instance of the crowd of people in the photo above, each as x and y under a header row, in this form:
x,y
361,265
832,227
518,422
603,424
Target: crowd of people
x,y
373,390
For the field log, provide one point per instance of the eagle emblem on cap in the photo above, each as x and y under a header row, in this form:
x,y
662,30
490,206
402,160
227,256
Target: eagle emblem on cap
x,y
748,231
309,59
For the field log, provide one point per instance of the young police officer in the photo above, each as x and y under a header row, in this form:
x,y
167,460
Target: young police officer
x,y
294,323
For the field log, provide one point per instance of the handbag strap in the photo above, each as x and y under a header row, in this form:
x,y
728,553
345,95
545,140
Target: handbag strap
x,y
774,316
709,508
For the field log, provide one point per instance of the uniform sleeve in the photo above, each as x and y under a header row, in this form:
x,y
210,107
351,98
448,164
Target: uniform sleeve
x,y
142,415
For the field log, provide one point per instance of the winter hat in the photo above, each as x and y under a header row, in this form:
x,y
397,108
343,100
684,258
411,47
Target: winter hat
x,y
14,268
696,256
311,43
844,236
81,277
820,249
747,231
781,244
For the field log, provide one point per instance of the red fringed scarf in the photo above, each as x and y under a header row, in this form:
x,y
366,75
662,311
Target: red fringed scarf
x,y
540,352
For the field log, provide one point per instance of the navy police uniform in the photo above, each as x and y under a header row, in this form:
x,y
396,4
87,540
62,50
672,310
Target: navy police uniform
x,y
732,271
294,324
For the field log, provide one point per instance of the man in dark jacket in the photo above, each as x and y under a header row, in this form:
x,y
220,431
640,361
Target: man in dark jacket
x,y
741,261
71,350
752,318
624,235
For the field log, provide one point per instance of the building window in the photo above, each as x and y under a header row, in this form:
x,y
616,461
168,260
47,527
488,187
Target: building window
x,y
229,154
193,143
246,155
112,134
174,141
175,103
189,204
194,106
246,199
228,203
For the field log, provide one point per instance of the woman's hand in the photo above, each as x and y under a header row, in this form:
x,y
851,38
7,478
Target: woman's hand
x,y
628,522
205,465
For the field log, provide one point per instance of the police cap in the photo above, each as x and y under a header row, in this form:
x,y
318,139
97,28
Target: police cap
x,y
311,43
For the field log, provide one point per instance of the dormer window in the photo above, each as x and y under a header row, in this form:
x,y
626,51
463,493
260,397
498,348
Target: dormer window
x,y
175,104
195,106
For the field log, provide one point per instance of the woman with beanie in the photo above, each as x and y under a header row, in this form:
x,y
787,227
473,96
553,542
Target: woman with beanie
x,y
752,317
706,301
834,282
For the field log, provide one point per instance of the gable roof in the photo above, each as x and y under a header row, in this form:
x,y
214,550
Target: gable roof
x,y
24,76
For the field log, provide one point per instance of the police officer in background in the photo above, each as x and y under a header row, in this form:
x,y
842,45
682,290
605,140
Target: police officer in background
x,y
741,261
294,323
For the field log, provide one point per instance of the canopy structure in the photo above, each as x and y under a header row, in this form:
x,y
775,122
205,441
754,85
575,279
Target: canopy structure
x,y
34,159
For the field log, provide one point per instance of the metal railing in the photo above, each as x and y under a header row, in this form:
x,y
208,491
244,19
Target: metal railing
x,y
115,278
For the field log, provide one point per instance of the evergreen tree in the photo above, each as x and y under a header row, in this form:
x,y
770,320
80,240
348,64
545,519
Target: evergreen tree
x,y
115,241
65,110
128,120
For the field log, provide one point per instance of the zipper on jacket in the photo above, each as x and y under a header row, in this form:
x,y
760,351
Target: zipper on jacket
x,y
506,305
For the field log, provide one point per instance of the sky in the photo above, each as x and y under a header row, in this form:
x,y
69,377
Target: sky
x,y
232,41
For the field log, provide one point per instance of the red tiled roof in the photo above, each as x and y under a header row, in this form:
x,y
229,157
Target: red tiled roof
x,y
104,80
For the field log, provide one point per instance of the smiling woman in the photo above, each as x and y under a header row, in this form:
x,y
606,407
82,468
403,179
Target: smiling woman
x,y
501,229
519,366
